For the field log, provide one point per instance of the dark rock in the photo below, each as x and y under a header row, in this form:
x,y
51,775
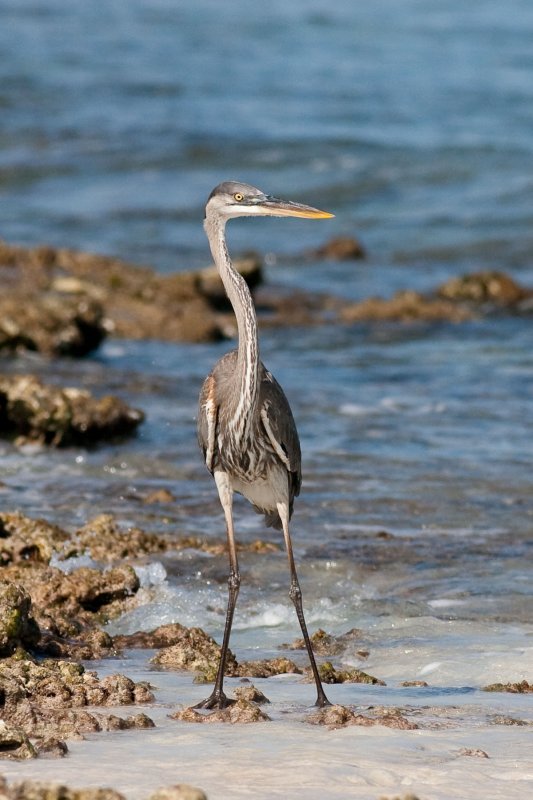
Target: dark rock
x,y
340,248
483,287
406,306
35,412
120,690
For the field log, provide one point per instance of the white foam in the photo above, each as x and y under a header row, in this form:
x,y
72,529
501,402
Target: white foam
x,y
446,602
153,574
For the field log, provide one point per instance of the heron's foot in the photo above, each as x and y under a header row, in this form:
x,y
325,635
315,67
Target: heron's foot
x,y
215,700
322,701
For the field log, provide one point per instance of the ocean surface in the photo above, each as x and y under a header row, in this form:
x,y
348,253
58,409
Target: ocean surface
x,y
412,122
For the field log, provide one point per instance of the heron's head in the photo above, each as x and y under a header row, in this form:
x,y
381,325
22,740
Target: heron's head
x,y
232,199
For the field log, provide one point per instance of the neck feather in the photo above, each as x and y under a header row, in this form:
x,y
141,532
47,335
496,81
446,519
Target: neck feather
x,y
240,298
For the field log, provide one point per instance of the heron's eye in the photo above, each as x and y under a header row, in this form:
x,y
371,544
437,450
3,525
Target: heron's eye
x,y
238,197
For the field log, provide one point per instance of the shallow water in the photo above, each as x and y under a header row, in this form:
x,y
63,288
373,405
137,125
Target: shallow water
x,y
412,123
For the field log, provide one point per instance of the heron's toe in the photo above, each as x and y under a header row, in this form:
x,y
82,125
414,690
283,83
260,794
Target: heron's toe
x,y
215,700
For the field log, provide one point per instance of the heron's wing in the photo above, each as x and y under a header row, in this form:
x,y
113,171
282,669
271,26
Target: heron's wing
x,y
207,421
280,427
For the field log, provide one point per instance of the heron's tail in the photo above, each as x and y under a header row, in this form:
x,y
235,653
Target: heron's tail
x,y
272,519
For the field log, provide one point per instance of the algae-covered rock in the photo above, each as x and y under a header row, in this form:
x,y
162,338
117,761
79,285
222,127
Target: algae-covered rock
x,y
406,306
326,644
44,790
330,674
476,752
240,712
267,667
181,791
14,743
87,590
49,700
487,286
90,644
69,607
33,411
50,323
194,650
23,539
54,295
17,625
105,540
163,636
69,604
251,694
51,747
338,716
65,684
520,687
419,684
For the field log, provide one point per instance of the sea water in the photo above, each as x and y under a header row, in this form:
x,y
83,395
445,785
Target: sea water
x,y
412,123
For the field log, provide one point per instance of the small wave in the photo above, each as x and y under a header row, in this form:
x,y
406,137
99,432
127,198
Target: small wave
x,y
393,405
445,602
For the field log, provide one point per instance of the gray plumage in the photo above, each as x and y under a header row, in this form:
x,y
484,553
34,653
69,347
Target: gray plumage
x,y
245,425
255,456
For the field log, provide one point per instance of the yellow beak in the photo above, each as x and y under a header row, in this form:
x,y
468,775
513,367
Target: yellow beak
x,y
273,207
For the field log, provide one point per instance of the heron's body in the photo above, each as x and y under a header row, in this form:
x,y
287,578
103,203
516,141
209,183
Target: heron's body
x,y
255,443
245,425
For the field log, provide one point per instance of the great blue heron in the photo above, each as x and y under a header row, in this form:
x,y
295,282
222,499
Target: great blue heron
x,y
245,425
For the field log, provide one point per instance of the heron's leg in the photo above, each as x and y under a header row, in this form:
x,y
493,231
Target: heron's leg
x,y
295,593
217,699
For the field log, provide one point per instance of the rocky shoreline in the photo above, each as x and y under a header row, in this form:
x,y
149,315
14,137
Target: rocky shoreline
x,y
63,302
52,617
53,607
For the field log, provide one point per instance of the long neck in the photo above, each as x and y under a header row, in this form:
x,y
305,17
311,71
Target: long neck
x,y
241,300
